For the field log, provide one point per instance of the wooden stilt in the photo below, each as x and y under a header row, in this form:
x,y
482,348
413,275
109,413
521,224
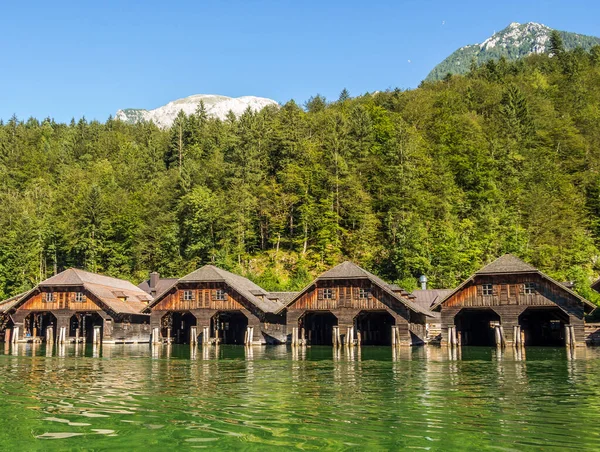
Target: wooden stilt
x,y
497,336
358,338
50,335
97,335
567,335
302,337
502,340
193,335
15,337
169,335
393,336
572,334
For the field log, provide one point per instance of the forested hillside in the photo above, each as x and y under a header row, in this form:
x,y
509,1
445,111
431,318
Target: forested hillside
x,y
436,180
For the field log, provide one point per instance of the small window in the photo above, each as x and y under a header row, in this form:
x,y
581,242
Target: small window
x,y
49,297
364,293
79,297
220,294
529,288
328,294
188,295
488,289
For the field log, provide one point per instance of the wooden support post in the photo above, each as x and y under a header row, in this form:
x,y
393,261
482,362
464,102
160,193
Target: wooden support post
x,y
358,338
567,335
572,339
339,336
15,337
77,336
502,340
393,336
50,335
294,336
7,335
453,339
497,336
62,335
97,335
168,335
193,335
302,337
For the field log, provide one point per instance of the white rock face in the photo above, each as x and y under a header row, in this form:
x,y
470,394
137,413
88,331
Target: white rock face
x,y
216,106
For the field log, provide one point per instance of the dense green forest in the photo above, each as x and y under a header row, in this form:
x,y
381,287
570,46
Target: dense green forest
x,y
437,180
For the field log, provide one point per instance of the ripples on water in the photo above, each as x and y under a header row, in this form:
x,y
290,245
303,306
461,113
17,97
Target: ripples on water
x,y
264,398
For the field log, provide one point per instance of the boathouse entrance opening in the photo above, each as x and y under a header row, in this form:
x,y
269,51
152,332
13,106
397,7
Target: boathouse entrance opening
x,y
544,326
476,326
375,327
177,326
230,327
89,321
318,327
36,324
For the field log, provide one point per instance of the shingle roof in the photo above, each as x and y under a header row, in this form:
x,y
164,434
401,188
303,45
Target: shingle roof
x,y
507,264
284,298
162,285
427,298
243,286
105,288
7,304
349,270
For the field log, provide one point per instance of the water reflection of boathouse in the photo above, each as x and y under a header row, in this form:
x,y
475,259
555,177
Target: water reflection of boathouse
x,y
349,304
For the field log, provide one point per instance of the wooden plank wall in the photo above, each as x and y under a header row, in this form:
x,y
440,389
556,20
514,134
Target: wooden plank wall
x,y
63,300
509,290
203,298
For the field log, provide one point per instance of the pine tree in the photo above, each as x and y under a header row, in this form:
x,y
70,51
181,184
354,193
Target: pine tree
x,y
557,47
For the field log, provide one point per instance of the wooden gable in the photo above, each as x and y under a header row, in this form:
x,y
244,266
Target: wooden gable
x,y
201,296
334,294
62,300
507,290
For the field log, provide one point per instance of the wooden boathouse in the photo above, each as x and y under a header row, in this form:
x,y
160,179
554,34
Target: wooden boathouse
x,y
78,306
347,304
512,302
212,305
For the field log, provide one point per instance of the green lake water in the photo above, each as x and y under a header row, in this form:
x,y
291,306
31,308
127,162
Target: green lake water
x,y
271,398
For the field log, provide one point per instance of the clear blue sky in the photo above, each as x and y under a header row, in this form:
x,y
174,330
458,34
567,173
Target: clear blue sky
x,y
67,59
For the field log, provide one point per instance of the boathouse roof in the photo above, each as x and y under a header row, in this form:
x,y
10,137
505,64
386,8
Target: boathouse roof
x,y
118,295
429,297
161,285
509,264
6,305
246,288
349,270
